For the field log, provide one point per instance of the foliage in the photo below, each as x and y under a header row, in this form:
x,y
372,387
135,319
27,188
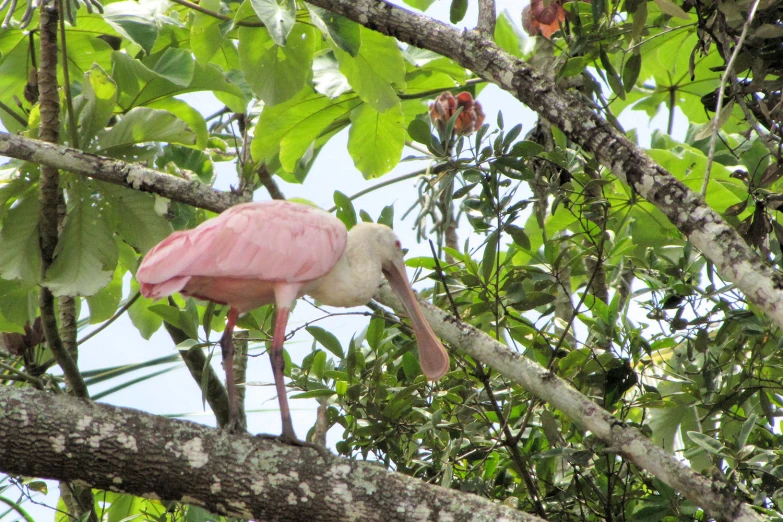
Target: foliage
x,y
563,262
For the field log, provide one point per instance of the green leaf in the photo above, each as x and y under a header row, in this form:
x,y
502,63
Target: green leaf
x,y
105,302
507,37
176,317
747,428
633,65
20,255
18,303
14,63
705,441
327,78
193,118
458,10
387,216
97,102
533,300
134,26
490,255
672,9
86,254
376,139
139,85
344,33
290,128
132,214
276,73
519,236
145,321
314,394
421,5
345,210
376,70
205,34
598,8
419,130
142,125
327,340
279,17
318,365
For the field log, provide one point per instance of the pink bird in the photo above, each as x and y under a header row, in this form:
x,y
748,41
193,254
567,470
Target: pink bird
x,y
275,252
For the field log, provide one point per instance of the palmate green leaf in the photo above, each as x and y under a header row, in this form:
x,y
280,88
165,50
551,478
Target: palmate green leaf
x,y
279,17
132,215
205,34
688,165
276,73
20,255
136,21
18,303
193,118
376,139
142,125
344,32
376,71
86,254
327,78
95,105
104,303
139,84
290,128
507,37
14,60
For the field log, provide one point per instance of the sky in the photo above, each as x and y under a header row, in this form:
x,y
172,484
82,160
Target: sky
x,y
175,392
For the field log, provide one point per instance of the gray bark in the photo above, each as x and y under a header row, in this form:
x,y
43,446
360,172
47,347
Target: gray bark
x,y
124,450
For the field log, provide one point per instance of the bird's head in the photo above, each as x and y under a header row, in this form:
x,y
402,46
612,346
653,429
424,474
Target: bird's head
x,y
385,246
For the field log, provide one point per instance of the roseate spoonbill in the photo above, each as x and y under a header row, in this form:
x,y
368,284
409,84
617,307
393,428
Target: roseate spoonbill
x,y
275,252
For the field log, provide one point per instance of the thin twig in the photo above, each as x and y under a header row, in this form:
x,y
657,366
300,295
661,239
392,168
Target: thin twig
x,y
117,314
384,184
213,14
269,183
20,375
454,309
721,93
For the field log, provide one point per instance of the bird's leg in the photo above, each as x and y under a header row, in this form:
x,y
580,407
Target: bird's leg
x,y
227,346
278,370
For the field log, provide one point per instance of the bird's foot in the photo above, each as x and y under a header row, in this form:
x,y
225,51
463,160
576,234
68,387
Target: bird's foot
x,y
235,426
293,441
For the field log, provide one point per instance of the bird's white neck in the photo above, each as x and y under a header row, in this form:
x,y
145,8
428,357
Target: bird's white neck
x,y
354,279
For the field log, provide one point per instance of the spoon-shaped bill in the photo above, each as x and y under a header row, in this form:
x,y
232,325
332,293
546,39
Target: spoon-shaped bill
x,y
433,358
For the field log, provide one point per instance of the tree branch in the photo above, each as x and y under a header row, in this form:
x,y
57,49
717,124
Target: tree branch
x,y
486,18
117,172
712,495
129,451
686,209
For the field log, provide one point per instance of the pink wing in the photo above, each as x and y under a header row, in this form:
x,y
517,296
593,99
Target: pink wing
x,y
268,241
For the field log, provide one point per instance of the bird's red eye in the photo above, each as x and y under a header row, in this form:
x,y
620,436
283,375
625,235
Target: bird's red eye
x,y
397,244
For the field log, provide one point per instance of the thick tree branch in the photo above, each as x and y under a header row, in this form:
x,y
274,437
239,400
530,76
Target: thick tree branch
x,y
686,209
129,451
117,172
713,495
